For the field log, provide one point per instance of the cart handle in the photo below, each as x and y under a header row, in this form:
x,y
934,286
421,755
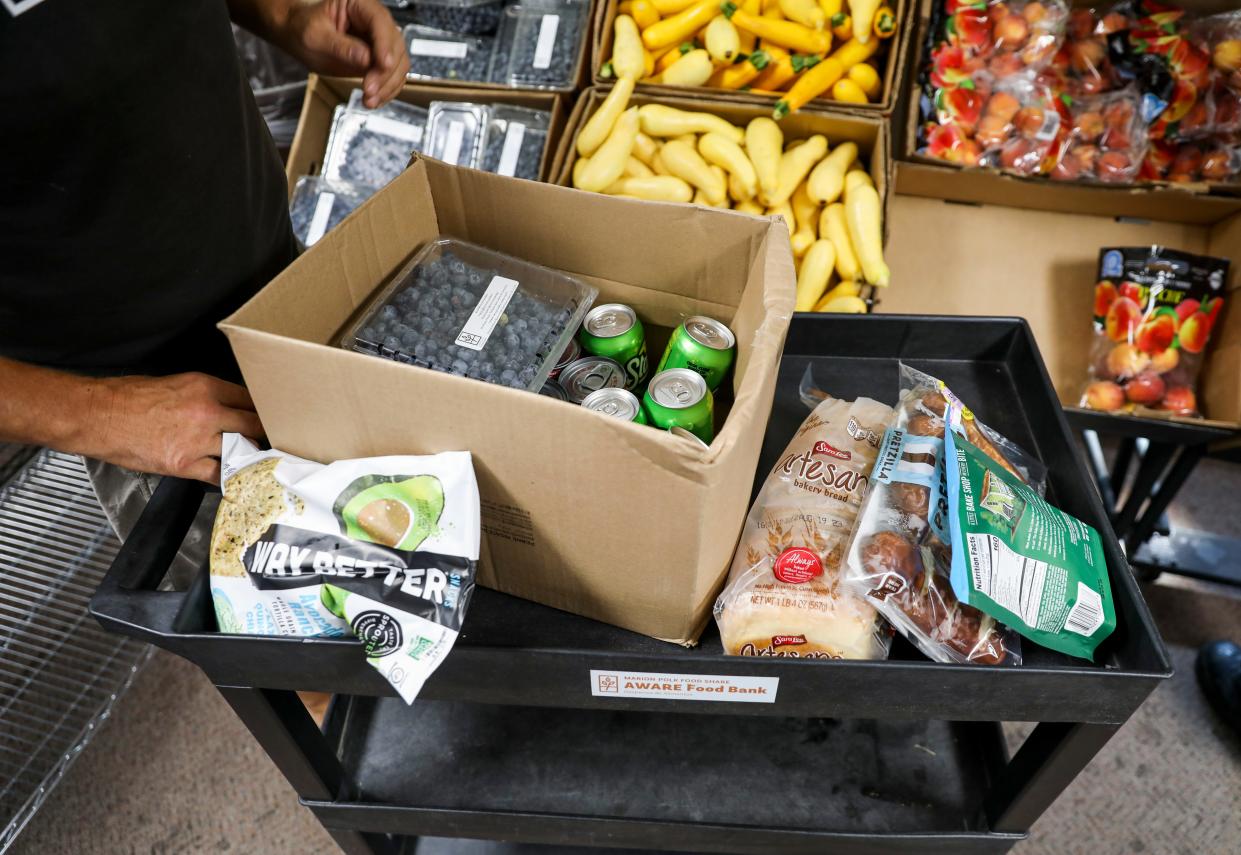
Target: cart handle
x,y
126,601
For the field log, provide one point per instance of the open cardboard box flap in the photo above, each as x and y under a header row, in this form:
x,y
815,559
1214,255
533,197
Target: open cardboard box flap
x,y
613,520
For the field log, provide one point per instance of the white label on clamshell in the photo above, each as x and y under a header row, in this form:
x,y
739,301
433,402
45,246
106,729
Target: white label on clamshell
x,y
547,41
512,149
411,134
318,220
433,47
487,313
452,145
683,687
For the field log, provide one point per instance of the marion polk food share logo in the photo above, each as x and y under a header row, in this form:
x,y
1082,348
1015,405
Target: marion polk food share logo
x,y
683,687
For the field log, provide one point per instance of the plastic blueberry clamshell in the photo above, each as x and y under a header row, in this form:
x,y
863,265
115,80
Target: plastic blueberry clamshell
x,y
514,141
474,17
539,44
372,147
455,132
318,205
410,114
443,55
474,312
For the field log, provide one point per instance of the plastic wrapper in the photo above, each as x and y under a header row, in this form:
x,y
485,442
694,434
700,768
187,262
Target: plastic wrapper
x,y
455,132
475,17
1106,140
373,146
539,44
514,141
318,205
476,313
785,595
381,548
442,55
1213,159
900,555
1154,311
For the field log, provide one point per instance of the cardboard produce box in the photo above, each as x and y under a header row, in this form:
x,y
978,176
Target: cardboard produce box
x,y
920,175
620,522
869,132
324,94
891,67
954,259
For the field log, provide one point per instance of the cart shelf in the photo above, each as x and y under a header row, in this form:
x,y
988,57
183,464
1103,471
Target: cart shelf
x,y
693,782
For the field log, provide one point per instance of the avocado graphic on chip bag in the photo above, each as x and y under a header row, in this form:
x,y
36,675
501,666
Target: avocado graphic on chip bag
x,y
400,511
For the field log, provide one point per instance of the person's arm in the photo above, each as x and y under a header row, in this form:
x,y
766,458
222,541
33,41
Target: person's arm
x,y
165,425
343,38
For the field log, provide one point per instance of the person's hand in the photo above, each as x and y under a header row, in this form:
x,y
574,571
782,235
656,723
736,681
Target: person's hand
x,y
172,425
349,38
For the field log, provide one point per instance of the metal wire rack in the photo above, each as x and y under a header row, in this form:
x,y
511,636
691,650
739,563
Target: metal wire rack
x,y
60,673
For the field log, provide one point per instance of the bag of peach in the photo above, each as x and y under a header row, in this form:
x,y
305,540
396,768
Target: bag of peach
x,y
1154,309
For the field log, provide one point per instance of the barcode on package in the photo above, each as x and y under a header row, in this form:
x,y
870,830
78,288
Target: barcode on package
x,y
547,41
318,220
392,128
432,47
452,145
512,149
487,313
1086,616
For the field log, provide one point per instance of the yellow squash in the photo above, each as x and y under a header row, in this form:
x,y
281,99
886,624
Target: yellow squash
x,y
722,40
850,305
644,13
806,215
607,164
738,75
635,168
680,26
787,34
884,26
815,271
795,165
848,91
680,159
655,188
832,226
827,180
667,8
693,69
842,26
866,229
659,120
628,55
841,289
804,12
819,79
597,128
867,78
863,12
764,142
747,40
831,8
644,148
723,152
750,207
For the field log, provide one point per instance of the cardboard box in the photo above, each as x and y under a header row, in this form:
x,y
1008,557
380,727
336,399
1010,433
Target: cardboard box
x,y
891,70
920,175
616,521
954,259
869,131
324,94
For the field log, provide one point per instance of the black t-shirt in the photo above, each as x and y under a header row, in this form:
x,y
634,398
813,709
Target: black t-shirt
x,y
141,196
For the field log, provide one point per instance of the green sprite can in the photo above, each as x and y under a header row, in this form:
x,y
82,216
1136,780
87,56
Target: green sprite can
x,y
613,330
617,403
704,345
679,397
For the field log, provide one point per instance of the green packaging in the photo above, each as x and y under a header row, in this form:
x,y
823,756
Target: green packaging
x,y
1022,561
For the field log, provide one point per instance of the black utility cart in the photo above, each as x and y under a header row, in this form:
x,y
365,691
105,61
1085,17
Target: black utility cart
x,y
516,738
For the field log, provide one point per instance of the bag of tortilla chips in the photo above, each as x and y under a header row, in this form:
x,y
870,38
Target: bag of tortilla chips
x,y
382,548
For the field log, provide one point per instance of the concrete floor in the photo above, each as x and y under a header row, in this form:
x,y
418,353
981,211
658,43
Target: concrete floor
x,y
174,771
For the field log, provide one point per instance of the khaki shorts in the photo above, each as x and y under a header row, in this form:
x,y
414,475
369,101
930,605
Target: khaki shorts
x,y
124,494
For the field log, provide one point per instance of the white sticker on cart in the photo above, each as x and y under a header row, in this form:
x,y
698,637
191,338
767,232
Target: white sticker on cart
x,y
487,313
433,47
318,220
683,687
452,145
392,128
547,41
512,149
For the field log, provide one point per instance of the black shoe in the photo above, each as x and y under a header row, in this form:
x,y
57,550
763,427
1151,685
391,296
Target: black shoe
x,y
1219,674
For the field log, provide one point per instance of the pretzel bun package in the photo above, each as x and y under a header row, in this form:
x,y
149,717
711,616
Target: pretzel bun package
x,y
901,554
785,595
